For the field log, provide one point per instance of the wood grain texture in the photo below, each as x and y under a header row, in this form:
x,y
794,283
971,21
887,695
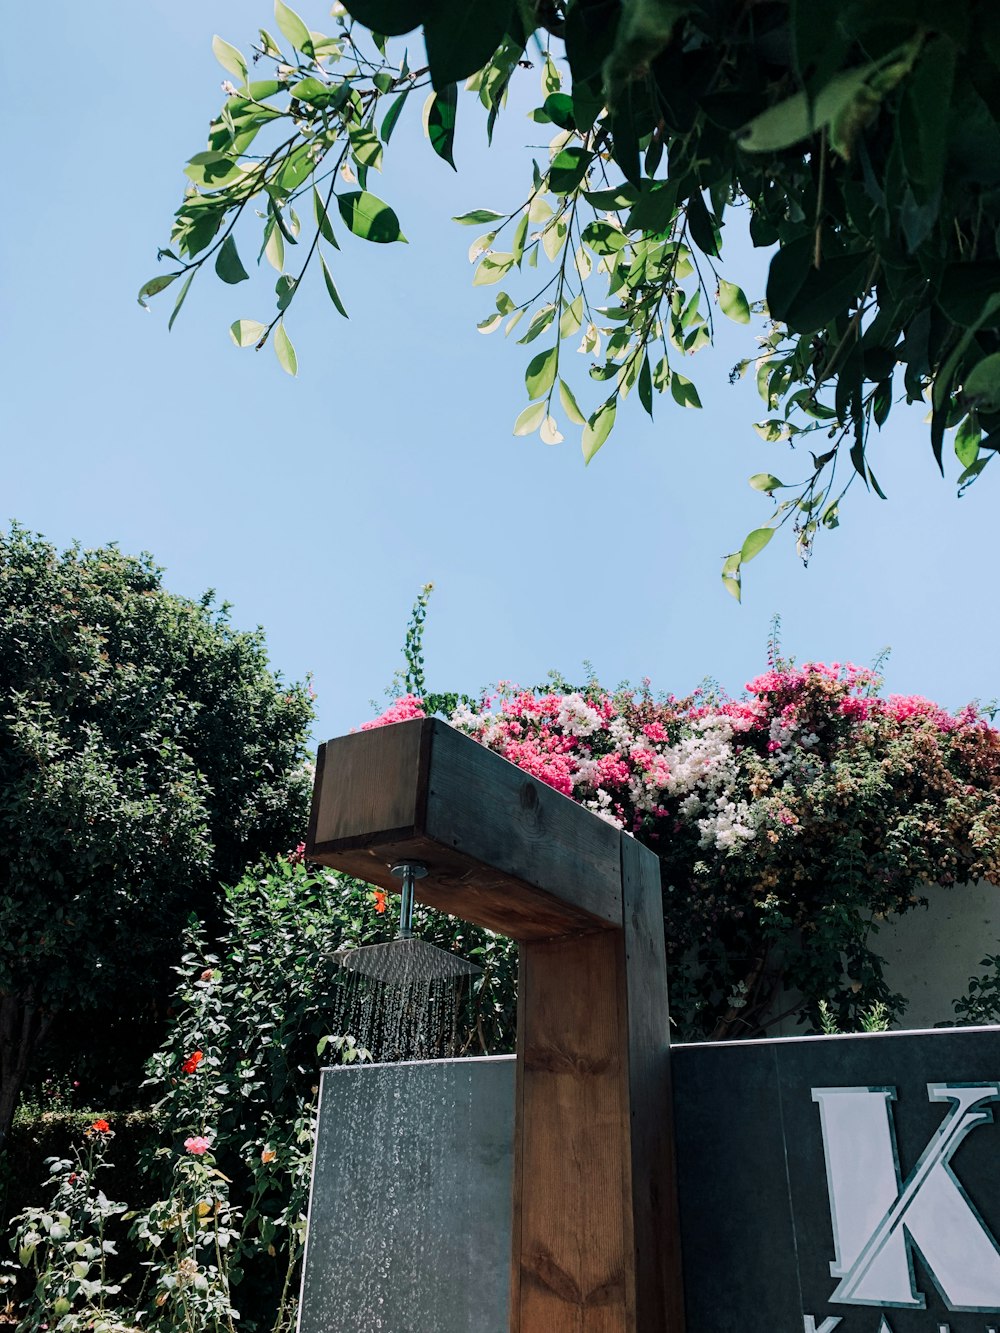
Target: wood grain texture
x,y
368,786
482,804
570,1267
656,1227
503,849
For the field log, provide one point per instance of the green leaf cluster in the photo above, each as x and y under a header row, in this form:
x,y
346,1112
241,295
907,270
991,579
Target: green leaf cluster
x,y
860,142
147,754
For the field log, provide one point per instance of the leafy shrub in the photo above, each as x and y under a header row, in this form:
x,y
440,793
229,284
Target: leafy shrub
x,y
218,1238
789,823
147,753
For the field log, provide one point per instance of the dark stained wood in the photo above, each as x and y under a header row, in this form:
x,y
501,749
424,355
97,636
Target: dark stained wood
x,y
368,786
481,804
595,1245
571,1265
463,887
656,1237
502,848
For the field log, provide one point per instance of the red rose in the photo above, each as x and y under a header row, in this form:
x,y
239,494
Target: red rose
x,y
192,1062
101,1127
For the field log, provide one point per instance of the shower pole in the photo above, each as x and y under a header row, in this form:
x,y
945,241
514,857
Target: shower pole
x,y
595,1244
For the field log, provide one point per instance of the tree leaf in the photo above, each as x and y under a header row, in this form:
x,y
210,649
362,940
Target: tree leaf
x,y
755,543
296,167
155,285
702,226
530,419
683,391
733,303
366,148
765,481
368,217
391,17
982,385
598,428
646,386
799,117
441,123
924,119
568,169
732,586
570,405
461,37
181,296
393,114
967,440
274,248
229,57
492,268
538,323
285,290
549,432
294,30
559,109
213,171
572,317
331,288
228,264
323,220
655,209
284,350
621,196
478,216
246,332
604,238
806,298
541,373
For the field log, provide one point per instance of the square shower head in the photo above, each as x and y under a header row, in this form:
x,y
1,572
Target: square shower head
x,y
406,961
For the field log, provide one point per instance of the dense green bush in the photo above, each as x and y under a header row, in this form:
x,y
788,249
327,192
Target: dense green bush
x,y
215,1227
147,754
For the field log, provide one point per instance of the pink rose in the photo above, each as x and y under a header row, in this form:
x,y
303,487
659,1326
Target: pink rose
x,y
197,1145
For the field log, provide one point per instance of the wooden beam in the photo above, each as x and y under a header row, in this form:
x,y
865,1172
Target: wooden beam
x,y
596,1242
656,1234
503,849
595,1245
571,1260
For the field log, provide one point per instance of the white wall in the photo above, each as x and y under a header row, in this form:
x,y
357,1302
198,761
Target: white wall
x,y
931,953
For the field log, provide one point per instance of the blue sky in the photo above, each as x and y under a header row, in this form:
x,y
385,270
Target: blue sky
x,y
319,506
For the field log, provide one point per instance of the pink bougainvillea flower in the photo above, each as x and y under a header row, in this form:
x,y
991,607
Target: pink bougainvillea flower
x,y
402,710
197,1145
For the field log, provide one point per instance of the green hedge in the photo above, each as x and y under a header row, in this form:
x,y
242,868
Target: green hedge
x,y
36,1135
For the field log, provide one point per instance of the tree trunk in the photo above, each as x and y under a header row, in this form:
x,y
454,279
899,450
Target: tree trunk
x,y
23,1025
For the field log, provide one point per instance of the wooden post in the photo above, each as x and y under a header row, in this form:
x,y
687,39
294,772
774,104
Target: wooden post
x,y
595,1245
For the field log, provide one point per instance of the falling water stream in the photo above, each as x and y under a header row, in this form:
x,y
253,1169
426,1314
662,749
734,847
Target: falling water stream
x,y
394,1200
403,1018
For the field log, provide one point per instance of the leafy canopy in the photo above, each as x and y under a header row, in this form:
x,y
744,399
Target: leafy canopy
x,y
860,142
147,753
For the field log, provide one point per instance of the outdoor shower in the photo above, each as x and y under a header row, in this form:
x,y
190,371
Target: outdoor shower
x,y
407,958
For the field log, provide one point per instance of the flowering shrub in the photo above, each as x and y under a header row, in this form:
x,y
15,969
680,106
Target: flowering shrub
x,y
66,1245
219,1248
789,823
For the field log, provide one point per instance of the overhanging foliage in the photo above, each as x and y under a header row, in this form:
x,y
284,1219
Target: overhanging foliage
x,y
861,142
